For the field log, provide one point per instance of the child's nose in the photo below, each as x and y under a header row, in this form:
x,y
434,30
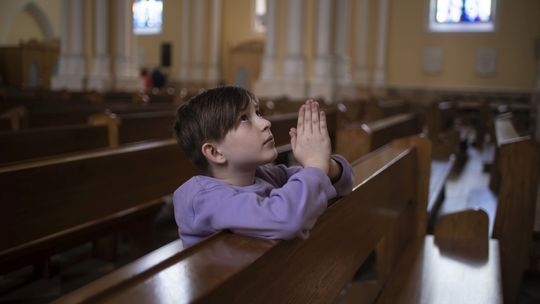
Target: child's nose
x,y
266,124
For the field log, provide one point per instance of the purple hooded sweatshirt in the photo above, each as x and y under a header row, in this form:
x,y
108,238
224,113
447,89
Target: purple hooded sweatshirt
x,y
282,203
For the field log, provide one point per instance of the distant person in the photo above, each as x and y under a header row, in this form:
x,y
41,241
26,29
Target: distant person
x,y
147,80
158,78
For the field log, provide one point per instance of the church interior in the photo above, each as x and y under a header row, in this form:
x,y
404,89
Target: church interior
x,y
435,104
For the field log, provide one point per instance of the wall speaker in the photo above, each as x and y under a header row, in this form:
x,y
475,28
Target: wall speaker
x,y
166,54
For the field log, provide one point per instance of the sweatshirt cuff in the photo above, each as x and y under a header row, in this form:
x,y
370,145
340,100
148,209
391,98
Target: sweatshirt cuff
x,y
343,185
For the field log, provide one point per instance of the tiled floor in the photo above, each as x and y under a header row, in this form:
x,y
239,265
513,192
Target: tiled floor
x,y
78,267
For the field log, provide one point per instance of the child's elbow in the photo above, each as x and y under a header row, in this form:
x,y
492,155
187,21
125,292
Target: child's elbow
x,y
291,231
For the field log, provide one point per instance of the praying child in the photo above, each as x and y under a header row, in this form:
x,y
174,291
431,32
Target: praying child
x,y
222,131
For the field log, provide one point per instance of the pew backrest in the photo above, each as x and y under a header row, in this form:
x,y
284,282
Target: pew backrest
x,y
33,143
48,202
133,127
359,139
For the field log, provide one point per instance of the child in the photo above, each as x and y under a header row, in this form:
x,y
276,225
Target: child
x,y
223,133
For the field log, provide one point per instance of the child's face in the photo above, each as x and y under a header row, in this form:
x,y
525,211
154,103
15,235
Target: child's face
x,y
251,143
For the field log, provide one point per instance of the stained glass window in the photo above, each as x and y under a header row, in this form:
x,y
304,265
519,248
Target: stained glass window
x,y
462,15
259,23
147,17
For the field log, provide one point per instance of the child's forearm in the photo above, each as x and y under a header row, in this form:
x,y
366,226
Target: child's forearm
x,y
334,171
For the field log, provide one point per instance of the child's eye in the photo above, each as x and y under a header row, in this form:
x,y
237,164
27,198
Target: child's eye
x,y
243,118
258,113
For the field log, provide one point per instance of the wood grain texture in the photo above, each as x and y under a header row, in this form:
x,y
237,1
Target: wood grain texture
x,y
52,199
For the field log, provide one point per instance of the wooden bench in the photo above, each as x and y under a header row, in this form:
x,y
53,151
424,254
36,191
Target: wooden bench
x,y
50,205
45,142
13,119
380,108
133,127
361,138
441,129
440,117
104,130
508,203
232,268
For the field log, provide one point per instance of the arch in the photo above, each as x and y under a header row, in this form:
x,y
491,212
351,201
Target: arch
x,y
34,10
41,18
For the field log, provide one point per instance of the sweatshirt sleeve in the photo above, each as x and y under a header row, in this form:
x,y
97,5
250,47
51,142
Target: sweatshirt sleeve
x,y
286,212
343,185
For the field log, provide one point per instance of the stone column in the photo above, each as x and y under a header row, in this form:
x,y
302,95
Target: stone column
x,y
59,80
268,84
294,84
322,81
199,34
100,78
214,71
185,42
126,72
77,66
379,77
343,76
362,29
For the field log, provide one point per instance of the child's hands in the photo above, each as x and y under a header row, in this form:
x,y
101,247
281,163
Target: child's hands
x,y
310,141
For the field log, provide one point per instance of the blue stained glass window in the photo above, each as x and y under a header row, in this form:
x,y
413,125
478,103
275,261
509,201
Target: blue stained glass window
x,y
462,15
147,17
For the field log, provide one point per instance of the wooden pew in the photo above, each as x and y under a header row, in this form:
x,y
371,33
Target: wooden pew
x,y
350,112
509,202
441,130
476,113
13,119
376,109
51,205
104,130
45,142
232,268
133,127
59,114
440,117
361,138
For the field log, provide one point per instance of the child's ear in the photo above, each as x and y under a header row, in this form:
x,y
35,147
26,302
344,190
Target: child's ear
x,y
212,154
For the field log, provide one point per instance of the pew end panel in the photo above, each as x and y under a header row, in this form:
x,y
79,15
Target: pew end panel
x,y
519,165
14,119
109,120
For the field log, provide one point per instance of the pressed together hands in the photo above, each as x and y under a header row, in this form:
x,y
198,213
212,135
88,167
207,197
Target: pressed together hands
x,y
310,140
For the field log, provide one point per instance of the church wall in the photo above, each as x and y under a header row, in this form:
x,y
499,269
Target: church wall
x,y
517,27
13,28
24,28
